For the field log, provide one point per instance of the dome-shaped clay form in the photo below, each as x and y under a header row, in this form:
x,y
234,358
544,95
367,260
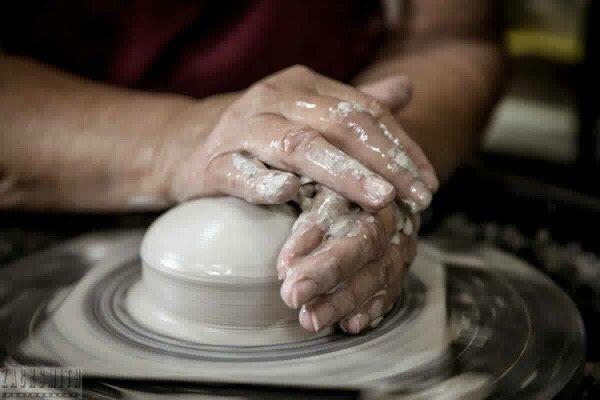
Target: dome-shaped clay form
x,y
218,239
209,274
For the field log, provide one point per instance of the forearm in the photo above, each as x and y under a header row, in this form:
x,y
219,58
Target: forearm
x,y
68,143
455,85
451,52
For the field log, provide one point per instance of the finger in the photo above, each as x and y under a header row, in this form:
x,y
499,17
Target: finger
x,y
359,126
310,228
353,242
241,176
397,135
292,147
398,89
378,142
306,235
359,133
372,280
370,314
394,91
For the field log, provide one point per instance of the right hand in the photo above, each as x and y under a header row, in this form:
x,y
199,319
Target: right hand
x,y
299,123
343,264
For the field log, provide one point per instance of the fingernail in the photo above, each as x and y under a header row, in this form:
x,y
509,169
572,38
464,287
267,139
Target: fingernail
x,y
357,323
322,316
378,190
304,317
430,179
303,291
420,194
376,322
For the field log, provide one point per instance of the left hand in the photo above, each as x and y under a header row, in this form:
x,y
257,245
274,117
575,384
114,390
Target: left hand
x,y
346,265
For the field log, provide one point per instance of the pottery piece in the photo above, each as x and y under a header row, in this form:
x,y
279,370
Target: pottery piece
x,y
209,274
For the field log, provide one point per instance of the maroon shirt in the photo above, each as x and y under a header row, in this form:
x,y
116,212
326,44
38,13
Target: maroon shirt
x,y
195,48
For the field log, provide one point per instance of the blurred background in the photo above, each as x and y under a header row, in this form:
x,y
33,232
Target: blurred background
x,y
536,179
533,191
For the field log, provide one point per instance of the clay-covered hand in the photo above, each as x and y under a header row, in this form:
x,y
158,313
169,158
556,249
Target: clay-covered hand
x,y
345,265
299,123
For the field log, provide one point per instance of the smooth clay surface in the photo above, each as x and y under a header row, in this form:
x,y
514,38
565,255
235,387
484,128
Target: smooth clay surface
x,y
209,274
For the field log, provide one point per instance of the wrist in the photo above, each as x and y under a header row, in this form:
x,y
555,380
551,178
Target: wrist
x,y
183,135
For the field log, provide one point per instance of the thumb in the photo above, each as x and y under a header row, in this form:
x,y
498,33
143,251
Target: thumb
x,y
394,91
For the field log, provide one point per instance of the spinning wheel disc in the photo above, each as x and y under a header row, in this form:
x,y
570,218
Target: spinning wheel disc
x,y
484,324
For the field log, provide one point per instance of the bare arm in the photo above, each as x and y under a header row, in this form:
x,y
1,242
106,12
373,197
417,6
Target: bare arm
x,y
69,143
450,52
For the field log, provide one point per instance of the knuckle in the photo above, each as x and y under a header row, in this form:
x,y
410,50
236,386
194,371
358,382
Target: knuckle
x,y
344,301
260,120
291,73
261,89
299,139
377,109
364,106
299,69
255,98
300,274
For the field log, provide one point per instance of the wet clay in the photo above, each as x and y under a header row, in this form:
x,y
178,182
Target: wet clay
x,y
209,274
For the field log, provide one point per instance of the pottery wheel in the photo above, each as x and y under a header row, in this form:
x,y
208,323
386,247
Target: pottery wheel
x,y
475,325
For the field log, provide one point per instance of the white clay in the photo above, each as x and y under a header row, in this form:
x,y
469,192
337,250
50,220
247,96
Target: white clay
x,y
209,274
268,184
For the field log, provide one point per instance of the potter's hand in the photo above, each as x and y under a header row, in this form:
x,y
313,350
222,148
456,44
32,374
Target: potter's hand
x,y
298,122
346,265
